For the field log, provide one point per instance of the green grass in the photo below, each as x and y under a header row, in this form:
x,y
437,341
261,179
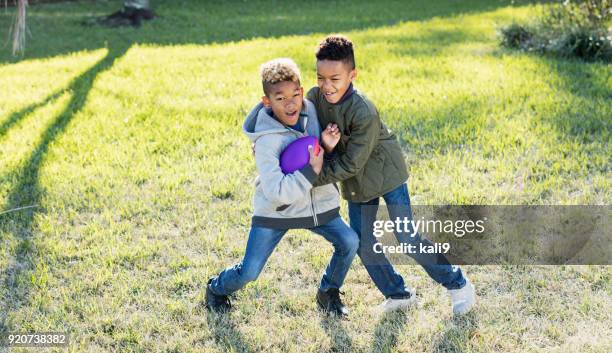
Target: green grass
x,y
128,141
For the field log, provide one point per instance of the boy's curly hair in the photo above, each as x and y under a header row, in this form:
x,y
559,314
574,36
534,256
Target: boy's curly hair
x,y
278,70
338,48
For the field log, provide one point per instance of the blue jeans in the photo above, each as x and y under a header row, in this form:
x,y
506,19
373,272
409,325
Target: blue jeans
x,y
262,242
389,282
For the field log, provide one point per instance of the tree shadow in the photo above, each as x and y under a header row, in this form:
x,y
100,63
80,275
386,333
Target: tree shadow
x,y
196,22
387,331
29,192
457,125
340,338
457,334
435,42
587,82
15,117
225,333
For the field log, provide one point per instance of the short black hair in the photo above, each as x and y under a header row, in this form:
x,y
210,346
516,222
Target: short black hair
x,y
338,48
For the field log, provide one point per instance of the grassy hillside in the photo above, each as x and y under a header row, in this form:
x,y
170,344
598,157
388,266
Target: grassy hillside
x,y
127,144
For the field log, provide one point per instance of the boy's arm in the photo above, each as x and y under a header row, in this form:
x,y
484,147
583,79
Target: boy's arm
x,y
278,187
364,137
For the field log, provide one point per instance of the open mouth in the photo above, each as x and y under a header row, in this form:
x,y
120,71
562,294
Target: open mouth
x,y
291,114
329,95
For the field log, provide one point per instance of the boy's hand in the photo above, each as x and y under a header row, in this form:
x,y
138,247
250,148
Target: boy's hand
x,y
316,161
330,137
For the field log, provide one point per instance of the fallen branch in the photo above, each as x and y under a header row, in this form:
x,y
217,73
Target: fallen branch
x,y
17,209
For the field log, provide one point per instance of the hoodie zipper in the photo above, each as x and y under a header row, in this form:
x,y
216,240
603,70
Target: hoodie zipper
x,y
312,208
314,214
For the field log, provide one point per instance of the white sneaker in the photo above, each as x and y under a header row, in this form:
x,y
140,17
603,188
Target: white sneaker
x,y
463,298
391,304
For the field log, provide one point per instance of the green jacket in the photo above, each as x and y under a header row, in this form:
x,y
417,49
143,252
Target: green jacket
x,y
369,160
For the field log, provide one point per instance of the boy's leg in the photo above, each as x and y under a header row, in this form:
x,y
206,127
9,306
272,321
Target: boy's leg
x,y
345,243
436,265
389,282
260,245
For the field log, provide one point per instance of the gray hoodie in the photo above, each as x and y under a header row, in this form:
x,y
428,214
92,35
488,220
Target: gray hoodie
x,y
287,201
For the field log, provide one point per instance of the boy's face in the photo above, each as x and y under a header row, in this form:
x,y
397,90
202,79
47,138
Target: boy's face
x,y
285,98
334,78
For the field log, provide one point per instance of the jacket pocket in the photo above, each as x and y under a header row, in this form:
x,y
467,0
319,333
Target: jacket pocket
x,y
373,177
297,209
282,208
343,142
325,198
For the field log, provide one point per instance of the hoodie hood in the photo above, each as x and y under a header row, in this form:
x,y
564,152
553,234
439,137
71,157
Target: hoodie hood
x,y
260,122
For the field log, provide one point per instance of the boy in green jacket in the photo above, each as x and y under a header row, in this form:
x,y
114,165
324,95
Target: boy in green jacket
x,y
369,164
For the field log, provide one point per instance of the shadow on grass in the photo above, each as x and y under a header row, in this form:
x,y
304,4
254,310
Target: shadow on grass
x,y
17,277
56,28
225,333
387,331
341,340
459,331
434,42
589,83
446,127
15,117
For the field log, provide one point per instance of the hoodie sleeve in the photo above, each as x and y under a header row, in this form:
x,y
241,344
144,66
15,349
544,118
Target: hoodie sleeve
x,y
277,187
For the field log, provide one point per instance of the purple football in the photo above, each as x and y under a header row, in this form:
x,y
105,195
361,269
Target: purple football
x,y
295,156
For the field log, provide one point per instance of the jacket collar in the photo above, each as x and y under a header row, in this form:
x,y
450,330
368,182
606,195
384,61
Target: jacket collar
x,y
349,92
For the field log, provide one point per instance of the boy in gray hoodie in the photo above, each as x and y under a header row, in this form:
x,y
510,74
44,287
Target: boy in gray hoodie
x,y
284,202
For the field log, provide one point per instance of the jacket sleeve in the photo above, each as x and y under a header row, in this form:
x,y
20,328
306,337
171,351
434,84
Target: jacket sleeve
x,y
364,137
277,187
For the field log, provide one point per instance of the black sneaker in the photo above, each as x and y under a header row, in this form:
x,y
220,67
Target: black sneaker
x,y
216,302
329,301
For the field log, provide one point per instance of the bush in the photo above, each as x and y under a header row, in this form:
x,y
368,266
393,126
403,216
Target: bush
x,y
568,29
583,43
515,36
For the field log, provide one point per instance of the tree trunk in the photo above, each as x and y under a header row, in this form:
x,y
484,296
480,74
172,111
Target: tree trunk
x,y
19,28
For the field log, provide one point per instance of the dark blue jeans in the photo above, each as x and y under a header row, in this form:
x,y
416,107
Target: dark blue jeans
x,y
262,242
362,216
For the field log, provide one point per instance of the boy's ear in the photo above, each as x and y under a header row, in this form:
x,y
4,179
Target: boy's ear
x,y
266,101
353,74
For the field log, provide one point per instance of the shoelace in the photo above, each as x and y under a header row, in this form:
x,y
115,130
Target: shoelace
x,y
335,298
223,300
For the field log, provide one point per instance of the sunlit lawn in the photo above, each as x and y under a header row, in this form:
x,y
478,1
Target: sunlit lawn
x,y
128,144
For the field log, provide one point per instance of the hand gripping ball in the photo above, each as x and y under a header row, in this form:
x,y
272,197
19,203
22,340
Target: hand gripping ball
x,y
295,156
